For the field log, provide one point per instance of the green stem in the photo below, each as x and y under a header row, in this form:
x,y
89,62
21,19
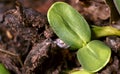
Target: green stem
x,y
103,31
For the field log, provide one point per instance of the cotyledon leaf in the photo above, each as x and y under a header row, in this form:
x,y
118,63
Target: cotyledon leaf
x,y
69,25
117,4
94,56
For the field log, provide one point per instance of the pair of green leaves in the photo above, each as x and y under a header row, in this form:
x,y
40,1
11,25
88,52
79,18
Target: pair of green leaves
x,y
73,29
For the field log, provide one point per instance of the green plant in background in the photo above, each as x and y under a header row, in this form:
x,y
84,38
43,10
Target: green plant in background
x,y
73,29
117,5
3,70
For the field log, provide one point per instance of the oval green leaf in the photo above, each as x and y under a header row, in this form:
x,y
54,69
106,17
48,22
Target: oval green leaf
x,y
69,25
117,4
3,70
94,56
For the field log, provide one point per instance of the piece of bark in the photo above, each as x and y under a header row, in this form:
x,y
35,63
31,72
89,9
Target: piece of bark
x,y
36,57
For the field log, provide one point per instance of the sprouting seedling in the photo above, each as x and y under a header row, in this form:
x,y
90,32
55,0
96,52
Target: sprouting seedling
x,y
73,29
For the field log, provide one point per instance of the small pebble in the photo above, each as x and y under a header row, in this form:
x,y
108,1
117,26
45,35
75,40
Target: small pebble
x,y
61,44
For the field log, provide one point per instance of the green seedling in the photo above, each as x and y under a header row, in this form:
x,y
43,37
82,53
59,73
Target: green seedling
x,y
3,70
72,28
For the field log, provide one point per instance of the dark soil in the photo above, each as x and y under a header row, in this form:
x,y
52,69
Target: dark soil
x,y
29,46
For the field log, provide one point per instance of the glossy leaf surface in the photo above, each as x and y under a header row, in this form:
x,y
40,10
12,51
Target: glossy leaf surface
x,y
94,56
69,25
